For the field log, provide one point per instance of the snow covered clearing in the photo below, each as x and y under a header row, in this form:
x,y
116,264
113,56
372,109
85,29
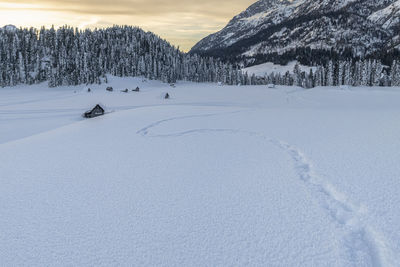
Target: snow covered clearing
x,y
213,176
266,68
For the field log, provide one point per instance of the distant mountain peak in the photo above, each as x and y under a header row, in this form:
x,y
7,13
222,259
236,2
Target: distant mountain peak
x,y
354,28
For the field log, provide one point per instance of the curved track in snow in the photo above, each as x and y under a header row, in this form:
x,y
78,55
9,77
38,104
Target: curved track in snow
x,y
362,242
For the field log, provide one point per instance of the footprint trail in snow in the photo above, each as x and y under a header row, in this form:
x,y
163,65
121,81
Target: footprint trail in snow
x,y
362,244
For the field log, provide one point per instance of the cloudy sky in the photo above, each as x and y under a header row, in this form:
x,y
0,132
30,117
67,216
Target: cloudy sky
x,y
182,22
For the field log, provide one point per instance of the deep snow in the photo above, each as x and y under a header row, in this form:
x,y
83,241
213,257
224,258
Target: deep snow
x,y
214,176
264,69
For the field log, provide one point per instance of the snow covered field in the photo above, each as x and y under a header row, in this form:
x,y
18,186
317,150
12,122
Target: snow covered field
x,y
214,176
266,68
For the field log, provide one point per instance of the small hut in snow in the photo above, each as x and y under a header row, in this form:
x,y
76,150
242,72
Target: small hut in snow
x,y
95,112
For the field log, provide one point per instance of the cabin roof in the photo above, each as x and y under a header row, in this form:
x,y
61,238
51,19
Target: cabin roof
x,y
96,107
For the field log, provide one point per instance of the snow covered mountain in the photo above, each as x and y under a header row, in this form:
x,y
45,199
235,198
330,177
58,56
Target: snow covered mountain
x,y
309,29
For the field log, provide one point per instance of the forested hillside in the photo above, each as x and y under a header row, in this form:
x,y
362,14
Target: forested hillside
x,y
309,31
69,56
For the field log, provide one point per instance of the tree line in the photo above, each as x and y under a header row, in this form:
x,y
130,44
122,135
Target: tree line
x,y
367,72
69,56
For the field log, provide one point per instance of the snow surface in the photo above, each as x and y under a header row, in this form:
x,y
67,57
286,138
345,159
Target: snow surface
x,y
266,68
388,16
214,176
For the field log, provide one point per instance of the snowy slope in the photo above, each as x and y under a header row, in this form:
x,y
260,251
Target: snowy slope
x,y
388,17
215,176
283,27
266,68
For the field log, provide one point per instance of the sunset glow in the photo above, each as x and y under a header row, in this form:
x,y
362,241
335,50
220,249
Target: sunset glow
x,y
181,22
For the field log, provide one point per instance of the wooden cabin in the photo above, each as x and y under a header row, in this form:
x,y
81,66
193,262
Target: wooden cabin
x,y
95,112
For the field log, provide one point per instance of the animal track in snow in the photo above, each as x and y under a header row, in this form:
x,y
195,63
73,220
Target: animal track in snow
x,y
362,243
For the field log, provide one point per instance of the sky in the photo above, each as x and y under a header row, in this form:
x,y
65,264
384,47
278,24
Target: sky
x,y
182,22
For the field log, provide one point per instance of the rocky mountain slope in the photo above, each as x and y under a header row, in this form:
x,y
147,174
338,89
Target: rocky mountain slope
x,y
307,29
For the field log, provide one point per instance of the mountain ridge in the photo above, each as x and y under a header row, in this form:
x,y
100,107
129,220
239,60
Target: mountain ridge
x,y
331,28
